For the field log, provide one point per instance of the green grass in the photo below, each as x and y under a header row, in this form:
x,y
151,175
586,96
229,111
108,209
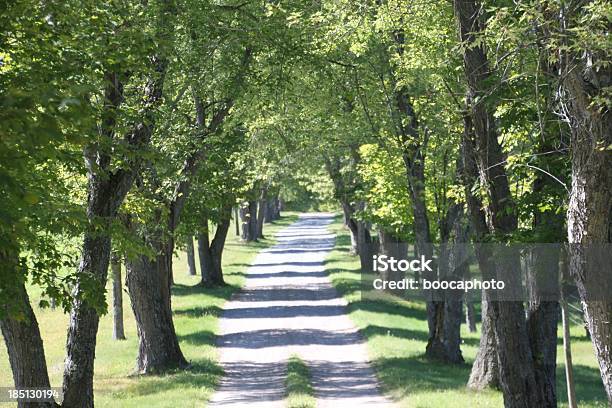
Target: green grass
x,y
196,312
300,393
396,334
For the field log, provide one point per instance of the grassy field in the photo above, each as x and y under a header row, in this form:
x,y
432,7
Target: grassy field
x,y
300,393
396,333
196,312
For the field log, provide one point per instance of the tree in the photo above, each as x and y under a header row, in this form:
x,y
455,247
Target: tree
x,y
106,192
585,75
118,331
516,364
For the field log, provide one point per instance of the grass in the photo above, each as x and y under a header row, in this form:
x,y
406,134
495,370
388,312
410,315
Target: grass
x,y
396,333
300,393
196,312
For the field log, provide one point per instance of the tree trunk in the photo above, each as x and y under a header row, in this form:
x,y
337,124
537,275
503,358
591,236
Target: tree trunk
x,y
485,370
457,269
261,214
351,224
244,223
272,212
248,216
206,263
118,332
392,246
414,164
274,208
237,221
149,289
542,278
341,193
217,246
106,192
413,144
253,232
453,316
211,252
470,316
25,349
542,318
517,371
84,320
364,243
589,214
567,351
191,264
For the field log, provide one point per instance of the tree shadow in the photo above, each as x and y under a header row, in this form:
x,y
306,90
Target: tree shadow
x,y
391,308
413,375
224,292
346,286
285,311
198,311
268,338
419,335
202,374
199,338
588,383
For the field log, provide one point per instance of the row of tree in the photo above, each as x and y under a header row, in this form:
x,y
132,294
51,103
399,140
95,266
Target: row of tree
x,y
473,121
128,127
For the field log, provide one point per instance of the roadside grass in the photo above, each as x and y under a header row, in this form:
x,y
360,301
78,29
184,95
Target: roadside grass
x,y
300,393
396,333
196,311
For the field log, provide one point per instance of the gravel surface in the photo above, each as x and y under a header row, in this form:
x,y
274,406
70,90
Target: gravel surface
x,y
288,306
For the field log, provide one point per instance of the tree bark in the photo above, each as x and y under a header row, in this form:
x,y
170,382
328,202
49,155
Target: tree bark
x,y
589,214
278,207
25,349
217,246
365,247
118,331
413,144
392,246
470,316
253,231
191,264
148,284
244,223
457,269
261,214
485,370
211,252
352,226
542,278
542,319
106,192
206,265
272,209
517,371
236,221
341,192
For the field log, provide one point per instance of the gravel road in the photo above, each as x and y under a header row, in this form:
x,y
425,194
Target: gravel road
x,y
288,306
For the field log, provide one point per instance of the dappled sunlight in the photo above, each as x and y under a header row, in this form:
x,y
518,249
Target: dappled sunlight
x,y
397,333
